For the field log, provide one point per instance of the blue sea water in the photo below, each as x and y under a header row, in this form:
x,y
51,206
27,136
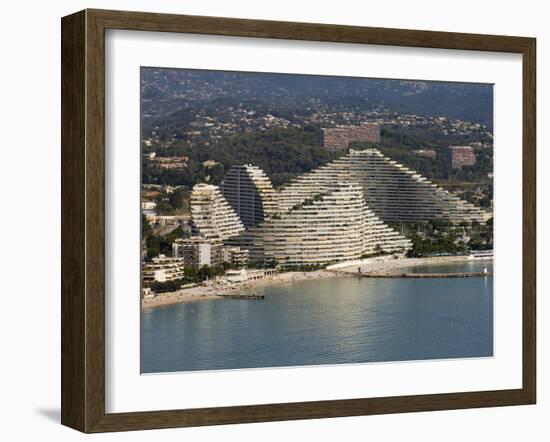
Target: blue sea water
x,y
334,321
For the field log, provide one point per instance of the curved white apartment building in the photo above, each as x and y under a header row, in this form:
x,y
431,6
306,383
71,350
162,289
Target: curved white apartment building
x,y
211,216
331,226
394,192
249,192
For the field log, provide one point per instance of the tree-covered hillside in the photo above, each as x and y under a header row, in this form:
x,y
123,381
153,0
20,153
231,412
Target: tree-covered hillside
x,y
281,153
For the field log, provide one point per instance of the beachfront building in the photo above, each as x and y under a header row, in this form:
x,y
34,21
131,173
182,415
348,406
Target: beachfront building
x,y
211,216
162,269
244,275
236,256
197,251
394,192
330,226
249,192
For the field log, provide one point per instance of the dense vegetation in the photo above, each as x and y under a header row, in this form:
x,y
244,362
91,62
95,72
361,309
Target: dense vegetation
x,y
399,143
281,153
176,202
440,237
157,244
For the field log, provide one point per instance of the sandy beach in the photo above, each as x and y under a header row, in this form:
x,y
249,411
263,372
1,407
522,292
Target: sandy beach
x,y
212,291
390,266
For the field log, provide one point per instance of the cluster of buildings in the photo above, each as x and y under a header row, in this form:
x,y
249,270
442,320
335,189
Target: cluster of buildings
x,y
339,137
337,212
172,162
458,156
197,251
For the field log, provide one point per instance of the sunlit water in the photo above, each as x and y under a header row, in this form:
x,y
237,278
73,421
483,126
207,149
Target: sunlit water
x,y
334,321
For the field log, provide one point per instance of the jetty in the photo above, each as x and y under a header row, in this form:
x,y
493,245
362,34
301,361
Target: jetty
x,y
243,296
426,275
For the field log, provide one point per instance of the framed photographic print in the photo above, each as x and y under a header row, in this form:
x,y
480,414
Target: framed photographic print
x,y
268,221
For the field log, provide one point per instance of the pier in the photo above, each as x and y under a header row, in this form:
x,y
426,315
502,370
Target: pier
x,y
426,275
243,296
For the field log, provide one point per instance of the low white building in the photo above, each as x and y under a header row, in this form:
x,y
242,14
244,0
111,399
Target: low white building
x,y
236,276
243,275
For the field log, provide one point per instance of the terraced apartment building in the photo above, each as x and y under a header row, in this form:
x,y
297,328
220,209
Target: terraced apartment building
x,y
337,212
394,192
249,192
332,226
211,215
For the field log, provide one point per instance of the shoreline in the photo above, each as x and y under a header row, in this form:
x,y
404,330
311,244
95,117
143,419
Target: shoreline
x,y
391,267
212,292
385,266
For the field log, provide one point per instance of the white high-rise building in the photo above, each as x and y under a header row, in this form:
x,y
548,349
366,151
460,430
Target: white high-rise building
x,y
196,251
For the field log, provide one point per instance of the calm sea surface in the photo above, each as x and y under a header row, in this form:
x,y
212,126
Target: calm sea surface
x,y
341,320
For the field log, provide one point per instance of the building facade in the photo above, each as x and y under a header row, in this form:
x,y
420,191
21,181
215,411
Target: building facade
x,y
330,226
211,215
392,191
197,251
163,269
249,192
244,275
460,156
236,256
338,138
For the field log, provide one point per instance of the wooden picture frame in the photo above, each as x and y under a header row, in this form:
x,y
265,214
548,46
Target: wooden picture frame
x,y
83,220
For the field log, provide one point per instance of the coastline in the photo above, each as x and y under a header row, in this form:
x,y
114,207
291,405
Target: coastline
x,y
388,266
212,292
381,266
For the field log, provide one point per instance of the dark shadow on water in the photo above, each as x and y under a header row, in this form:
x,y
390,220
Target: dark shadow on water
x,y
52,414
